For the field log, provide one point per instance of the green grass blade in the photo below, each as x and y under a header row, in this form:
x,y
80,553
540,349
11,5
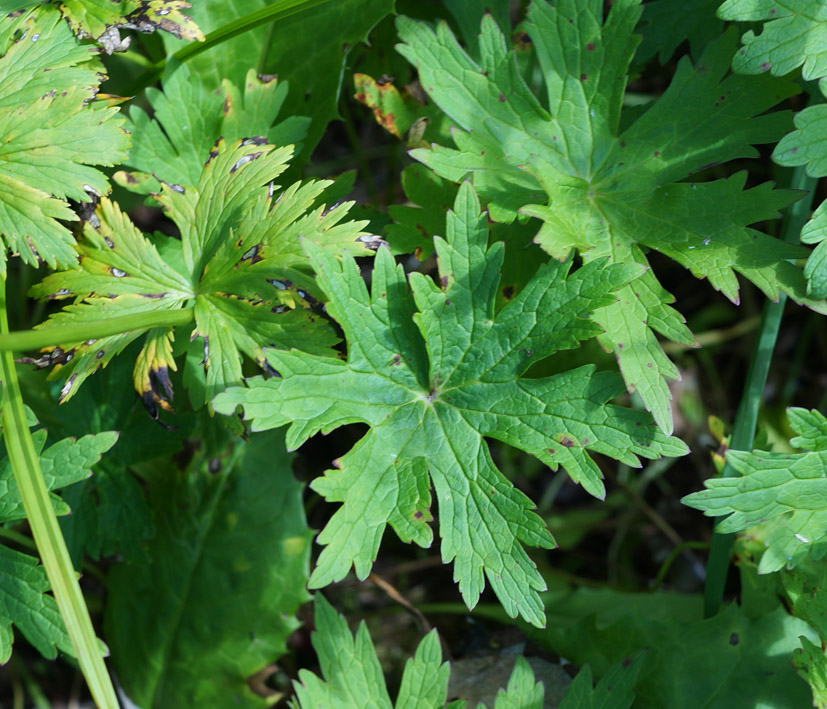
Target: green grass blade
x,y
746,417
46,531
273,12
35,339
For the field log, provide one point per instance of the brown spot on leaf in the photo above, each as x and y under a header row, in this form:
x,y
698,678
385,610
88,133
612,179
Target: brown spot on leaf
x,y
508,292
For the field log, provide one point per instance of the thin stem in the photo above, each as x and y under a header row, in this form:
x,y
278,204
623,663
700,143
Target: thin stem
x,y
80,332
746,417
278,10
43,522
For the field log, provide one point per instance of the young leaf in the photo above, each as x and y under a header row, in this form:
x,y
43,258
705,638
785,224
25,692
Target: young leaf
x,y
53,132
236,265
25,603
188,117
616,689
522,692
432,385
213,603
787,490
606,189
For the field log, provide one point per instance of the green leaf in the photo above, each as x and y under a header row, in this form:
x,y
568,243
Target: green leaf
x,y
607,191
713,663
522,692
787,491
291,49
53,133
794,34
227,569
188,118
666,24
616,689
63,463
806,591
432,385
25,603
237,265
815,270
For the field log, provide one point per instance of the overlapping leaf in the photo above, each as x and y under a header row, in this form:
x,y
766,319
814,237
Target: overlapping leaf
x,y
787,491
607,189
189,116
52,135
432,390
808,595
237,264
24,601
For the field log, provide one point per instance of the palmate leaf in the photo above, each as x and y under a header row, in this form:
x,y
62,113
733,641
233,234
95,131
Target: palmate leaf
x,y
52,135
24,601
786,491
608,191
189,116
808,596
238,264
432,384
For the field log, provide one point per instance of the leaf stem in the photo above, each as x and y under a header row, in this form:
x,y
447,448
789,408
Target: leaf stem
x,y
64,334
746,418
275,11
43,522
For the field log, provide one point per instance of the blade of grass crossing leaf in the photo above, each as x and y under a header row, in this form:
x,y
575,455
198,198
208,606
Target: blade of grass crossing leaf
x,y
46,531
35,339
743,430
272,13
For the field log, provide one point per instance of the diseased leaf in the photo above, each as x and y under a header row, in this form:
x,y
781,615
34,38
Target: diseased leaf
x,y
189,116
432,384
225,572
238,264
608,191
25,604
785,491
53,133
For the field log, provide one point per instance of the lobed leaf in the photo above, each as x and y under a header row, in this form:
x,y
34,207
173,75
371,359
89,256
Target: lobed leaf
x,y
785,491
433,371
607,189
238,265
53,134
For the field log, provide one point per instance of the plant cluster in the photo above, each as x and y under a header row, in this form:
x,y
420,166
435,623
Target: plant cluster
x,y
481,341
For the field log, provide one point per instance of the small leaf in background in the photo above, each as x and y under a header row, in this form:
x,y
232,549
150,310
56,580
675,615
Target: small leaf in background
x,y
238,263
786,492
189,116
432,385
616,689
25,603
225,572
53,133
290,48
807,590
720,662
606,189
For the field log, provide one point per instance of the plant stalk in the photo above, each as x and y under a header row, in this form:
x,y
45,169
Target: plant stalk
x,y
43,522
746,418
81,332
